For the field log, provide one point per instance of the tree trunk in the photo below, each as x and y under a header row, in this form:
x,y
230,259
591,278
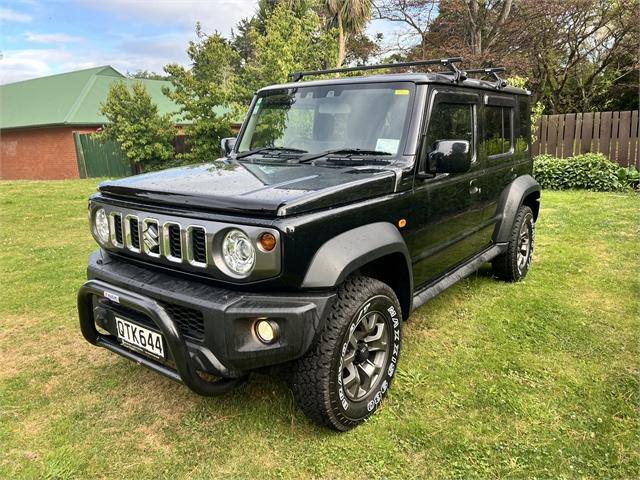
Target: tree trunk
x,y
475,33
341,42
136,167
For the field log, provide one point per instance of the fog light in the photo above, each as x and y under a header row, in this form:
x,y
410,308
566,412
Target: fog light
x,y
266,331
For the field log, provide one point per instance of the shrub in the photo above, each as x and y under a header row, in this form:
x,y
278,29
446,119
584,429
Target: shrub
x,y
629,176
589,171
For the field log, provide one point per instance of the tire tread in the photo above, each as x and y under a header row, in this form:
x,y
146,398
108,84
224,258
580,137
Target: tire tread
x,y
310,375
505,265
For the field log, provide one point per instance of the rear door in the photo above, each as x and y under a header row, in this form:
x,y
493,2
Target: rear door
x,y
447,208
497,149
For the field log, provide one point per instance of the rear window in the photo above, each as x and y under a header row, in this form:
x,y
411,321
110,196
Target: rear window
x,y
497,130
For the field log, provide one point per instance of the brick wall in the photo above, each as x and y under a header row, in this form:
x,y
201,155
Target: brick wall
x,y
39,153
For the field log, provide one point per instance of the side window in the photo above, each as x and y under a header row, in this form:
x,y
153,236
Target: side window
x,y
449,121
497,130
524,131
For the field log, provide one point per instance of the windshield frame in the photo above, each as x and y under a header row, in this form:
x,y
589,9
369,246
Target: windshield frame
x,y
391,83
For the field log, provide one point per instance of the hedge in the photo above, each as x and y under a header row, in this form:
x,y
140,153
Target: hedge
x,y
589,171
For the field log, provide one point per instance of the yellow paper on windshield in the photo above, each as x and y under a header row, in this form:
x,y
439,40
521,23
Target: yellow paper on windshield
x,y
401,92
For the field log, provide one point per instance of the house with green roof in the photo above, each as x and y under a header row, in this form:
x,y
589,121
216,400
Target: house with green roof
x,y
38,118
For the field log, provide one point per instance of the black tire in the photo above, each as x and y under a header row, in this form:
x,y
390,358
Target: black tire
x,y
317,378
513,264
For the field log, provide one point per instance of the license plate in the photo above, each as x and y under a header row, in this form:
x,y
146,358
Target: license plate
x,y
140,338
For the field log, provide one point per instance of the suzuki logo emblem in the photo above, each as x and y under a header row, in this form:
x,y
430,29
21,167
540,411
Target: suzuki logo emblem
x,y
150,236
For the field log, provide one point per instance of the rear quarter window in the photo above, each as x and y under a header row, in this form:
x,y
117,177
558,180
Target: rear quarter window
x,y
497,130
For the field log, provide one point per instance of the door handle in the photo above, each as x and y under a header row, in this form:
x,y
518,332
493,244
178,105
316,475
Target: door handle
x,y
474,189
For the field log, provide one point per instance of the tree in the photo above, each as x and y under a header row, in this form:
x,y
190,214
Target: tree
x,y
416,15
225,74
204,93
135,124
579,49
486,19
349,17
361,48
580,55
473,29
290,43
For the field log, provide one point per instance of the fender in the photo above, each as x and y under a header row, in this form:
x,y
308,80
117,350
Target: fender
x,y
510,201
347,252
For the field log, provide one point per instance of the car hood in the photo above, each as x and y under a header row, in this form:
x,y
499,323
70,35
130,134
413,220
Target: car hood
x,y
255,187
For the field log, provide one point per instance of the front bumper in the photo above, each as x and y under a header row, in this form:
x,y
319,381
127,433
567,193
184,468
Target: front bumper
x,y
224,343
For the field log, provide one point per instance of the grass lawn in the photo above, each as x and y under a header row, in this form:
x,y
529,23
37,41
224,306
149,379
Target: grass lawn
x,y
536,379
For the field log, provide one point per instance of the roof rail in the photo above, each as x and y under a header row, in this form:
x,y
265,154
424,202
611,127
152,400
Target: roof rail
x,y
492,72
449,63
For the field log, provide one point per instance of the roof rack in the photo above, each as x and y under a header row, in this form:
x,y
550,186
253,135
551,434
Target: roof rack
x,y
492,72
449,63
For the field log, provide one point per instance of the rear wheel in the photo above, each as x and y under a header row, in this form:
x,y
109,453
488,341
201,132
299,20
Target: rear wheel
x,y
513,264
345,376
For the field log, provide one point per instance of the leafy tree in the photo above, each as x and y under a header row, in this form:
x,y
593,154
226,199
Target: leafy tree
x,y
361,48
135,124
349,17
290,43
266,7
244,37
204,93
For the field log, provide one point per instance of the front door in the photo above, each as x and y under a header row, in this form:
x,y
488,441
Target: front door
x,y
447,207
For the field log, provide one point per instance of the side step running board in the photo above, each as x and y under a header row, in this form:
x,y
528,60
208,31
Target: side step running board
x,y
427,293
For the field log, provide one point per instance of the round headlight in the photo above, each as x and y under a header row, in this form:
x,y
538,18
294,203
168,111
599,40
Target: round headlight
x,y
238,252
101,226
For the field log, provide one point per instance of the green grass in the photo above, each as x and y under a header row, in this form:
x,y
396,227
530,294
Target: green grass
x,y
536,379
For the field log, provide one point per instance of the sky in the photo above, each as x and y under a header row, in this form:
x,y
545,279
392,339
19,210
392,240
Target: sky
x,y
45,37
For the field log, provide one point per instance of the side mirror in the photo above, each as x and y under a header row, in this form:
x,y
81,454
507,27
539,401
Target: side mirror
x,y
226,145
450,156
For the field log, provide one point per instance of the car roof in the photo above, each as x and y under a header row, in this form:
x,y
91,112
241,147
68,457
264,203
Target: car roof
x,y
418,78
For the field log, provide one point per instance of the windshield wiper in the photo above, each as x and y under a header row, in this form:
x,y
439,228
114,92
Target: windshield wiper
x,y
268,149
346,152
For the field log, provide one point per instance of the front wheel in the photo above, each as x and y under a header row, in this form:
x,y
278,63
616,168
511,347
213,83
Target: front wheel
x,y
344,377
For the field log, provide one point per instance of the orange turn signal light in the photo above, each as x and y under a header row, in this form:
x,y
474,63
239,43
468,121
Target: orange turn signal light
x,y
402,223
267,241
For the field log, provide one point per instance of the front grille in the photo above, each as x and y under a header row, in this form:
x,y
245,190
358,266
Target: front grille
x,y
117,226
135,233
179,241
199,244
175,241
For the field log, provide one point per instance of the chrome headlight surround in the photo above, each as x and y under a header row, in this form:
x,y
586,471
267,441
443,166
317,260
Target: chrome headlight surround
x,y
100,227
238,253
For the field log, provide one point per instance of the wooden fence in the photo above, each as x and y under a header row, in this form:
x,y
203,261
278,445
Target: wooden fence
x,y
615,134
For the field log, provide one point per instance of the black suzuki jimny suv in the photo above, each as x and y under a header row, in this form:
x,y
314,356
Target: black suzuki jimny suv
x,y
343,205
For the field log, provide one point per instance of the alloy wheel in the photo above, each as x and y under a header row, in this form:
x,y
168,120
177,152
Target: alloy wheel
x,y
365,356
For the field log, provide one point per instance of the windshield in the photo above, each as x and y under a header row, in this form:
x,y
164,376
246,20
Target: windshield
x,y
311,120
